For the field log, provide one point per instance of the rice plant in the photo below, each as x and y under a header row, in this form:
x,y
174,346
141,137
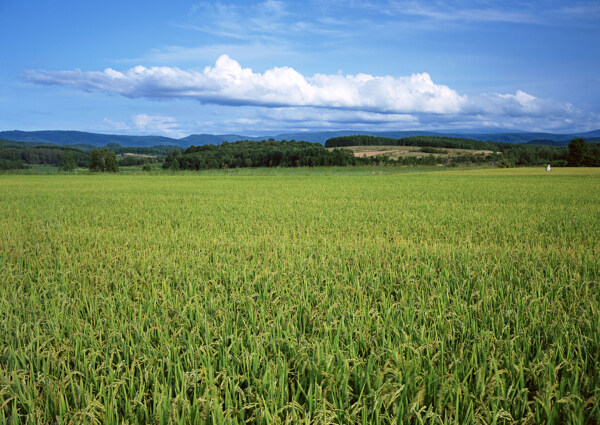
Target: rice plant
x,y
448,297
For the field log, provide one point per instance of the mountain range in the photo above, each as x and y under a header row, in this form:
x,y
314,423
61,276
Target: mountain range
x,y
60,137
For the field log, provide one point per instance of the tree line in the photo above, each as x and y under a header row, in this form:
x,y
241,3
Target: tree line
x,y
422,141
18,155
577,154
21,155
265,153
271,153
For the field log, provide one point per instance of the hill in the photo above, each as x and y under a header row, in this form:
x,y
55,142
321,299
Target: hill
x,y
81,138
60,137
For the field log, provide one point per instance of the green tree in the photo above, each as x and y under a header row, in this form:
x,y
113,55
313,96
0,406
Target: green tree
x,y
68,163
174,164
111,164
577,152
103,160
95,164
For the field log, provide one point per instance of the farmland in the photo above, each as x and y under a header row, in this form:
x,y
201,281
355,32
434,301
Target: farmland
x,y
467,296
395,152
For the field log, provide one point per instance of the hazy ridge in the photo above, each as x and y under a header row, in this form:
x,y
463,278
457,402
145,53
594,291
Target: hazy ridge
x,y
61,137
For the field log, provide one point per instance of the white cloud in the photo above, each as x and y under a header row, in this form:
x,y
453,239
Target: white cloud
x,y
157,124
458,11
227,83
368,97
114,125
486,12
319,117
247,122
146,124
255,50
265,20
518,104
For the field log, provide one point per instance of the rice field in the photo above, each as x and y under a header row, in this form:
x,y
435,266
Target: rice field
x,y
452,297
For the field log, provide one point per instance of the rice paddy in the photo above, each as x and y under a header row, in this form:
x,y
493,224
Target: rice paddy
x,y
447,297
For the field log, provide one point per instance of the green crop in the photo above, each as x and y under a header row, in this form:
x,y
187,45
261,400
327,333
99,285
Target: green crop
x,y
448,297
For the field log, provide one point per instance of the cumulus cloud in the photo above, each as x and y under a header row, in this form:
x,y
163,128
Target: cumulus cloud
x,y
227,83
337,98
518,104
318,117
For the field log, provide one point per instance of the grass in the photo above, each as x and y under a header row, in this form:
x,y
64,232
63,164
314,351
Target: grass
x,y
465,296
33,169
157,170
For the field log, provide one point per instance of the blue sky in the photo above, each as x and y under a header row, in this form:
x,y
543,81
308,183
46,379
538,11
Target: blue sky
x,y
257,68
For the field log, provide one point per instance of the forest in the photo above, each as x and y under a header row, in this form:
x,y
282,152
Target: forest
x,y
272,153
19,155
22,155
430,141
577,154
266,153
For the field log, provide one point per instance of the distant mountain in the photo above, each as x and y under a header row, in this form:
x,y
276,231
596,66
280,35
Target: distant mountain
x,y
546,142
80,138
213,139
83,138
322,136
590,134
522,137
